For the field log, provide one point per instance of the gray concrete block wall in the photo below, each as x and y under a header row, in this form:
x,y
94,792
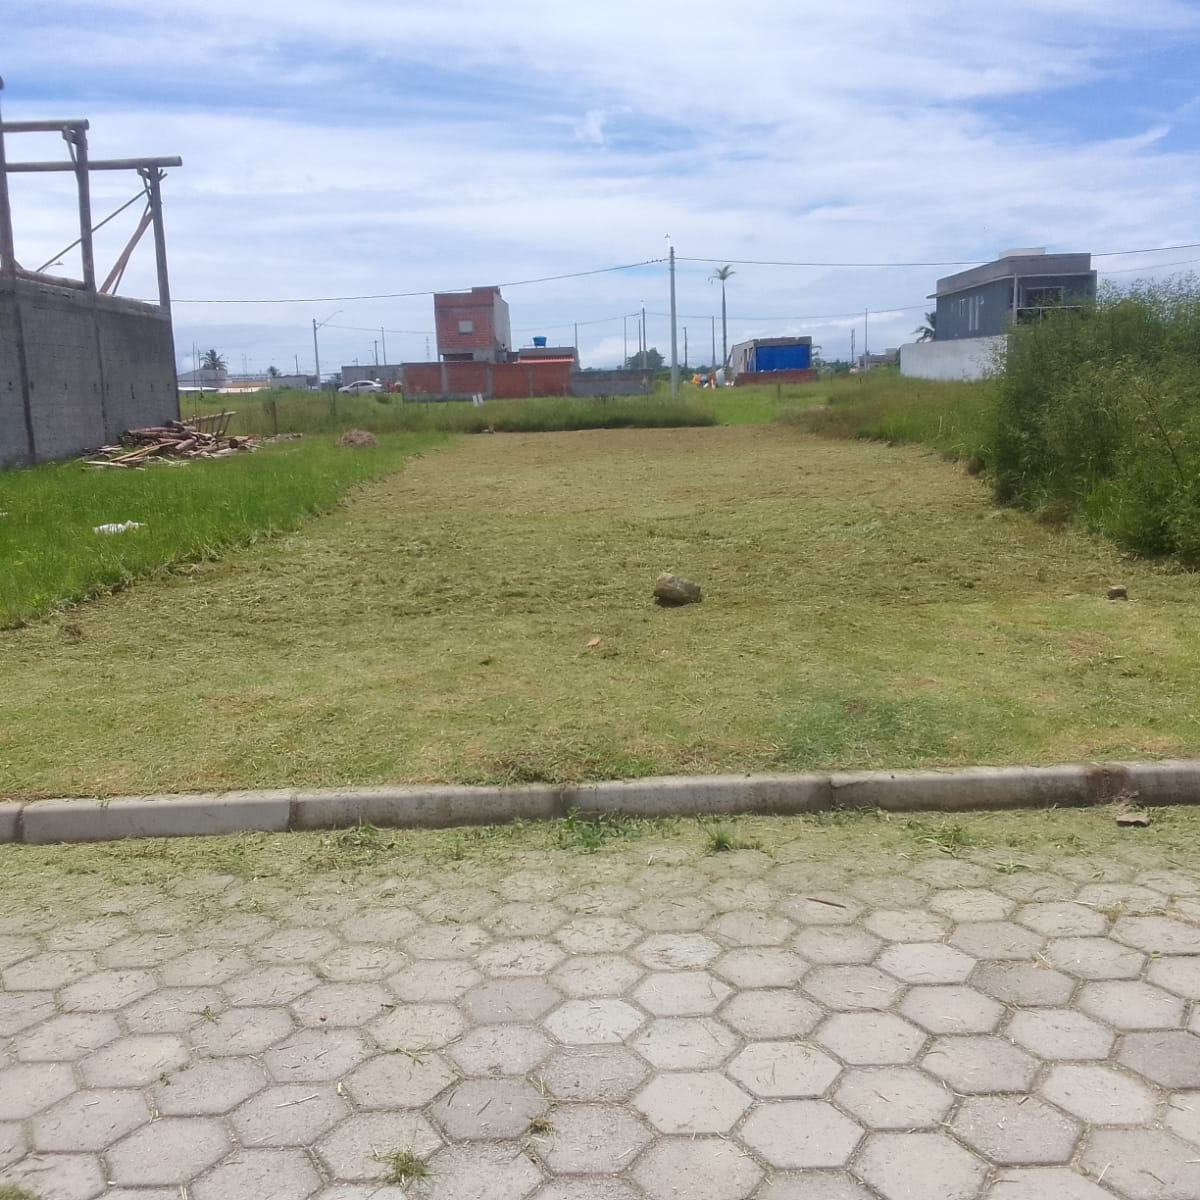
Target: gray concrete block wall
x,y
96,366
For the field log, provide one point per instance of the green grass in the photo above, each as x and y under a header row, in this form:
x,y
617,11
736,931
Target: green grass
x,y
865,606
402,1166
189,514
286,411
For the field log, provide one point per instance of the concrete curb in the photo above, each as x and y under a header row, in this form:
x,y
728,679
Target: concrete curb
x,y
42,822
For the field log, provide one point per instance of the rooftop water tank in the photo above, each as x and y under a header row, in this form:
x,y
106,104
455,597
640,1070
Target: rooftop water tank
x,y
540,342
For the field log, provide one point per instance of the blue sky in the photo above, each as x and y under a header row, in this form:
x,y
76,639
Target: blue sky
x,y
369,147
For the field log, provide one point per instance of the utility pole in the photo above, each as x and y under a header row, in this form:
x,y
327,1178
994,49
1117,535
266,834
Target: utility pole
x,y
645,337
852,363
713,367
625,341
685,352
576,339
674,338
383,343
375,343
866,339
316,353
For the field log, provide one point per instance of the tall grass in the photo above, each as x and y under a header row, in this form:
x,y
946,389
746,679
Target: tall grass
x,y
1098,417
52,557
287,411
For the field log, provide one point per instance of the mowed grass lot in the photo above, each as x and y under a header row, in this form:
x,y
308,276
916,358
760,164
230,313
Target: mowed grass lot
x,y
865,606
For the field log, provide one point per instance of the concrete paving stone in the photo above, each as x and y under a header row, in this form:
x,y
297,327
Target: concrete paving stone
x,y
600,899
399,1080
947,874
1170,883
354,1150
837,945
677,914
893,1098
1142,1164
136,1061
92,934
594,935
685,1043
204,968
812,1185
822,908
599,1074
12,1142
907,925
434,981
525,919
317,1055
106,991
681,993
588,1189
1157,935
380,925
48,972
270,985
751,928
698,1168
345,1004
1100,1094
521,957
23,1010
952,1008
1016,1130
1179,974
1060,1033
593,1021
1182,1116
502,1171
487,1109
894,893
976,1065
360,962
972,904
926,962
209,1087
59,1176
795,1134
241,1031
260,1175
172,1010
289,946
1025,985
14,948
997,939
446,941
1132,1005
692,1102
677,951
172,1151
1044,1183
1094,958
417,1026
914,1165
142,950
590,1138
504,1001
292,1115
359,1191
461,903
847,988
1170,1058
760,967
781,1070
499,1050
771,1013
730,895
88,1120
530,885
596,975
1062,918
871,1039
239,931
1122,899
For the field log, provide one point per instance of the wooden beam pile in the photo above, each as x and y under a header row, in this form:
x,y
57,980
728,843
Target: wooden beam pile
x,y
172,441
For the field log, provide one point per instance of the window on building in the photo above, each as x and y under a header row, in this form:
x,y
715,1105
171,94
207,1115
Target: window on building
x,y
1043,297
466,327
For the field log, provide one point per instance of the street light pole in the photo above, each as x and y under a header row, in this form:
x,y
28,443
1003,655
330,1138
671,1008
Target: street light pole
x,y
674,337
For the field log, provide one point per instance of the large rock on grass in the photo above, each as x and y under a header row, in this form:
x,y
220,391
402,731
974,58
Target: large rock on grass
x,y
673,590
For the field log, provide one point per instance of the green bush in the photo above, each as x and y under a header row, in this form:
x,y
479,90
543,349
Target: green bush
x,y
1098,416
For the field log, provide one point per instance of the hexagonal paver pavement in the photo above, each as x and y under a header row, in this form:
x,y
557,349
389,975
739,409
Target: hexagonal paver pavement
x,y
648,1022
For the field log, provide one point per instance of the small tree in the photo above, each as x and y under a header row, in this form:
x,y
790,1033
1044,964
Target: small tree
x,y
645,360
719,276
928,331
212,361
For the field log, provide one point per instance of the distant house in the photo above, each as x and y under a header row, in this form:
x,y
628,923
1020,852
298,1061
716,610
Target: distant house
x,y
472,326
1020,285
772,360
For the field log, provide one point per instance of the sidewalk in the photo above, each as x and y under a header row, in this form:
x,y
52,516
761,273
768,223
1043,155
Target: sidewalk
x,y
832,1016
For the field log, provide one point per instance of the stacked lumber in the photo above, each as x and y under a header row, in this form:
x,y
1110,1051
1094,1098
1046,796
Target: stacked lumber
x,y
174,440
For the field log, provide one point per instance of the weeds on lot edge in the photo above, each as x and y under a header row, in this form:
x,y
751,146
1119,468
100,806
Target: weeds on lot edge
x,y
402,1166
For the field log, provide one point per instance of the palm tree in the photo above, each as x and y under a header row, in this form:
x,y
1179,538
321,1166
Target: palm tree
x,y
719,276
928,331
212,361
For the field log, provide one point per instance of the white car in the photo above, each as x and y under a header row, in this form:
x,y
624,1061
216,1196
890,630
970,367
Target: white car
x,y
362,385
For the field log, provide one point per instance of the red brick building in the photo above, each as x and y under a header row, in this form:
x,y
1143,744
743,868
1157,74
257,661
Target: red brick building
x,y
472,326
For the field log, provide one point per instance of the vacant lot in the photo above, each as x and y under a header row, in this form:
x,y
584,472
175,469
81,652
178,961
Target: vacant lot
x,y
864,606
